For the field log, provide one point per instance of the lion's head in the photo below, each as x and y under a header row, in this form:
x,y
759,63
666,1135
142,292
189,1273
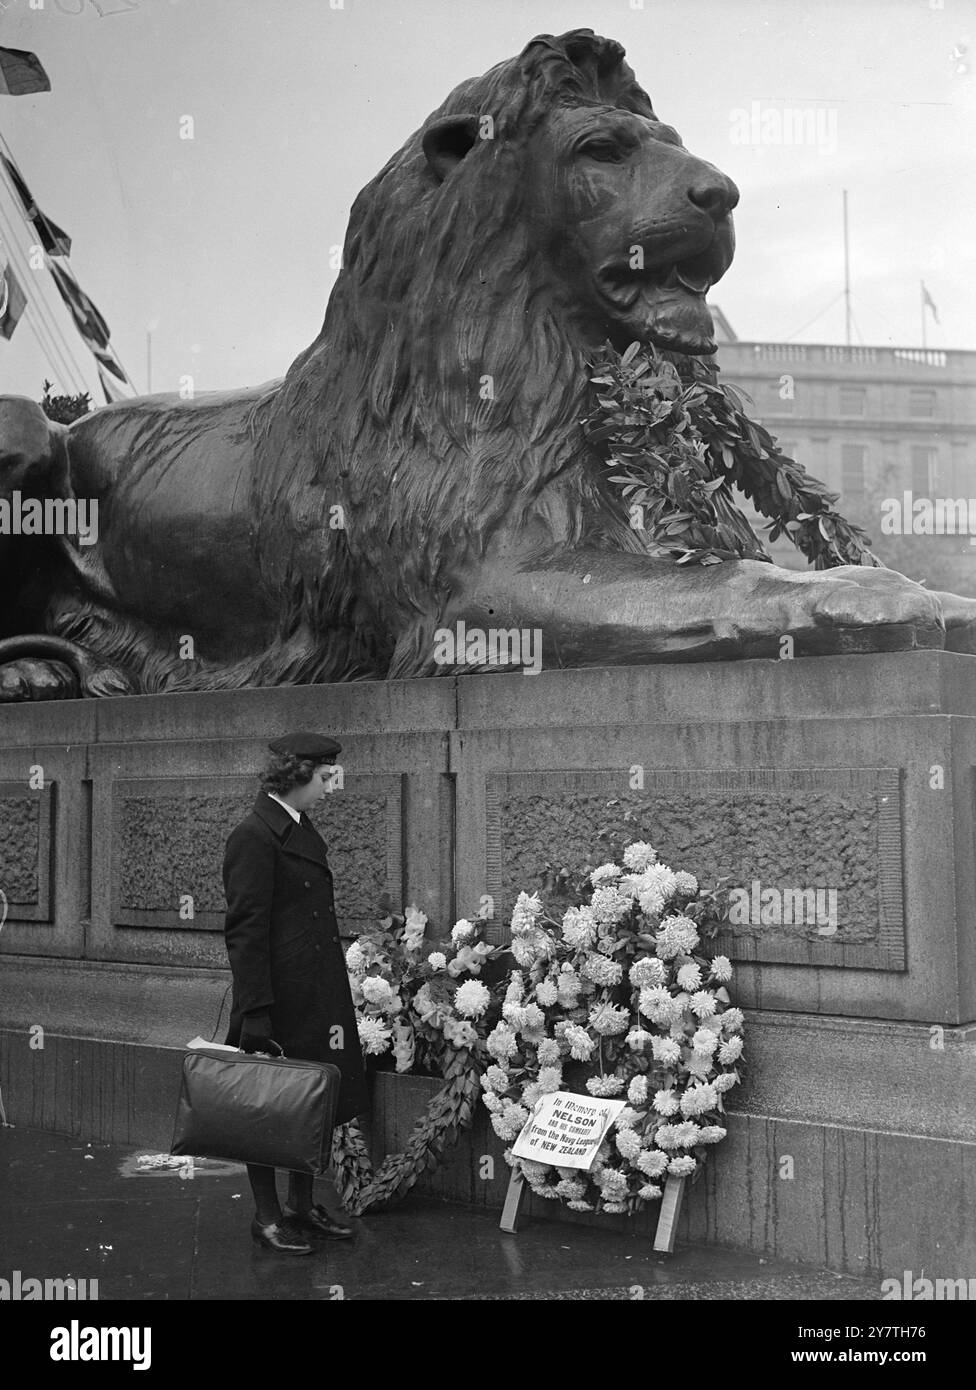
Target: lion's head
x,y
634,229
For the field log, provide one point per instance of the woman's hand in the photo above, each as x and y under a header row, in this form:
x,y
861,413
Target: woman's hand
x,y
256,1035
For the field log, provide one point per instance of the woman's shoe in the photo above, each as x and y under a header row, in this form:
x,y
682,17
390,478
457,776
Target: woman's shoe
x,y
280,1237
319,1222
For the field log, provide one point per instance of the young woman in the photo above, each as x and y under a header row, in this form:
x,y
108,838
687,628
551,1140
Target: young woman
x,y
289,972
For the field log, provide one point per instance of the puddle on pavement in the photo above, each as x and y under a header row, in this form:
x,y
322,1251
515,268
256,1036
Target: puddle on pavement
x,y
149,1165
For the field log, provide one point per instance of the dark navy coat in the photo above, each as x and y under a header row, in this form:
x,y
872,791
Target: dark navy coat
x,y
283,942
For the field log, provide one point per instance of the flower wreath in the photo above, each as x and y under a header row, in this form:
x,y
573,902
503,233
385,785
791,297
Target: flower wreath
x,y
428,1008
614,998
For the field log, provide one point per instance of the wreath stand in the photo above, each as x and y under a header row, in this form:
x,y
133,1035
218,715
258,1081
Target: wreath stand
x,y
667,1222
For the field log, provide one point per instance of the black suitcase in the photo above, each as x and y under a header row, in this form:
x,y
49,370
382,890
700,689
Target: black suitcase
x,y
250,1108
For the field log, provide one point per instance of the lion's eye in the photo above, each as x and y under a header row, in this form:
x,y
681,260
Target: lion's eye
x,y
603,150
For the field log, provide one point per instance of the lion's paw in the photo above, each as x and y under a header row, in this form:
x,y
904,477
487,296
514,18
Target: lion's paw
x,y
33,679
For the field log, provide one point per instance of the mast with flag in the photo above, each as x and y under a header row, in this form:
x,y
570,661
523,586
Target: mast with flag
x,y
927,303
22,73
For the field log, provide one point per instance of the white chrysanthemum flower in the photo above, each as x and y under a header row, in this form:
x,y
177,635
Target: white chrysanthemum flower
x,y
571,1189
547,1052
609,906
730,1051
665,1137
652,1162
637,1091
698,1100
657,1004
702,1004
732,1020
546,993
550,1079
686,1134
377,991
639,856
602,971
609,1021
491,1101
613,1185
678,937
628,1143
666,1050
525,912
581,1045
516,1115
704,1040
437,960
649,1192
689,976
722,968
501,1042
462,931
495,1079
515,989
648,971
711,1134
682,1167
700,1066
374,1036
532,1018
579,928
523,951
639,1038
580,1206
615,1208
606,873
605,1085
686,884
531,1093
355,960
665,1102
725,1081
472,999
628,1117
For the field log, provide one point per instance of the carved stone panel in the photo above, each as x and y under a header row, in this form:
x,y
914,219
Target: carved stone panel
x,y
26,826
816,855
169,835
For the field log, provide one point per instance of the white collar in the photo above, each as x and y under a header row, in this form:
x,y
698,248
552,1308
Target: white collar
x,y
295,815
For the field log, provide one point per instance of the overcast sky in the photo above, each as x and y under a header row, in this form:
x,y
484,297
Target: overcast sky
x,y
221,243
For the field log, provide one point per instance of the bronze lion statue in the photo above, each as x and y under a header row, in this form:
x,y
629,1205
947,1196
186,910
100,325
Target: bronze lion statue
x,y
421,466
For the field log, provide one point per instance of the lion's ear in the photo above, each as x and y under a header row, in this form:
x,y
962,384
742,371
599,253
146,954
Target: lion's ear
x,y
447,141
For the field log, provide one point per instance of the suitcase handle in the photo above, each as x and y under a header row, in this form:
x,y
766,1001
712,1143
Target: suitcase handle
x,y
261,1053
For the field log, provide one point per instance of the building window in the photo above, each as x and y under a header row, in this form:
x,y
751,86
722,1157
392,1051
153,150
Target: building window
x,y
923,470
852,400
921,403
852,463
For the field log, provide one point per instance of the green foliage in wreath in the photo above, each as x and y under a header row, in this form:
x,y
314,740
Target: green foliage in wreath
x,y
676,441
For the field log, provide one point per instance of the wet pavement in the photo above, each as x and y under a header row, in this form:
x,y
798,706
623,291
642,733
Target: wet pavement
x,y
91,1211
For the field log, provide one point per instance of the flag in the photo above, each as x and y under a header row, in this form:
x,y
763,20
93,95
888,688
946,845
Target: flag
x,y
13,302
111,389
21,73
929,303
49,234
93,329
88,320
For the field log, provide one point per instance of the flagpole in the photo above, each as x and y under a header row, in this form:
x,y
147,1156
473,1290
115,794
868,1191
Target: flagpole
x,y
847,278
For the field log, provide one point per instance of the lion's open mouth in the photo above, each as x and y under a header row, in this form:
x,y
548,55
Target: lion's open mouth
x,y
664,304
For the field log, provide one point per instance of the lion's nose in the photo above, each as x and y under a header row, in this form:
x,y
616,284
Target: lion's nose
x,y
713,193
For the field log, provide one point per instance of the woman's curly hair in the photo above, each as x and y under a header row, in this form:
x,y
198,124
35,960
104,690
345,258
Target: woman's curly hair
x,y
285,771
